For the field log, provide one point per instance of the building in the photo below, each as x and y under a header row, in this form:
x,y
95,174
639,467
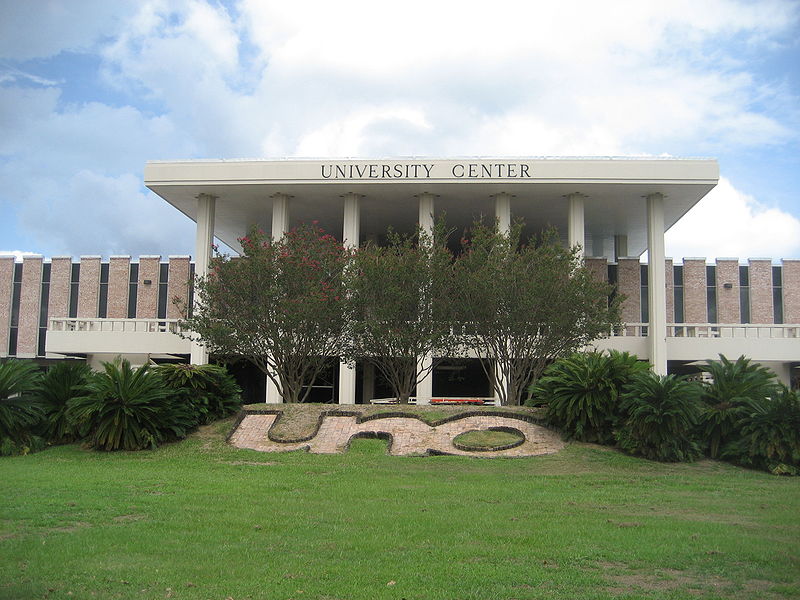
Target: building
x,y
615,208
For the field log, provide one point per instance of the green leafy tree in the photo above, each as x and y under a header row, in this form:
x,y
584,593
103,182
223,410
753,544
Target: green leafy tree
x,y
582,393
280,306
61,383
735,388
525,303
19,411
129,409
398,305
661,415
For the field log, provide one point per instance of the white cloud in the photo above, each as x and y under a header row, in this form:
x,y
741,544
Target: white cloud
x,y
96,214
730,223
18,254
348,78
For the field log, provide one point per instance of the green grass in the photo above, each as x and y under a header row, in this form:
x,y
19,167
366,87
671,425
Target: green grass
x,y
202,520
486,439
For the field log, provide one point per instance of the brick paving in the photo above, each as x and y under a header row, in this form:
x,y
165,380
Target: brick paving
x,y
409,436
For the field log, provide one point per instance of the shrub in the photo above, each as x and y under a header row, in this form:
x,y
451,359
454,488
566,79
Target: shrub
x,y
128,409
19,411
211,391
57,387
582,391
736,388
662,413
769,435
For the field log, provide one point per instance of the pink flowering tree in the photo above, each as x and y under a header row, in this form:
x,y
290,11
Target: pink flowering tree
x,y
398,307
280,306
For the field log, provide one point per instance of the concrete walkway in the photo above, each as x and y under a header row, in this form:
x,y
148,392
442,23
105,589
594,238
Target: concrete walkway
x,y
406,435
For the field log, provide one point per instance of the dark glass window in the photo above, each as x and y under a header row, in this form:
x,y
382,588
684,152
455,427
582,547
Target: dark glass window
x,y
43,308
777,294
191,288
744,293
133,287
163,277
711,293
645,299
74,282
16,294
102,310
677,275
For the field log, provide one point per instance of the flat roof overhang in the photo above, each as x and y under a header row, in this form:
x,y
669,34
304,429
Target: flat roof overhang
x,y
615,190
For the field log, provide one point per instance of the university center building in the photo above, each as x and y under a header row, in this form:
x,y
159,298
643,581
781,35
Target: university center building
x,y
676,312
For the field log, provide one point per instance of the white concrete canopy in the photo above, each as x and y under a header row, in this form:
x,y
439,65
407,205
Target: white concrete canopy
x,y
613,191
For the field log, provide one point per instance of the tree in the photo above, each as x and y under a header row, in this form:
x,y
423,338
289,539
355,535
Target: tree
x,y
280,306
523,305
398,299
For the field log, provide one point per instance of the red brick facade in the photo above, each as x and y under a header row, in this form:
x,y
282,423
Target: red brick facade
x,y
695,295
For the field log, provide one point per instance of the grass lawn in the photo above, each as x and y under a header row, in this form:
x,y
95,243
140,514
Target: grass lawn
x,y
200,519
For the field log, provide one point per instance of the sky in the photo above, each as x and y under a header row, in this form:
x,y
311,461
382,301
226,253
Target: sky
x,y
91,89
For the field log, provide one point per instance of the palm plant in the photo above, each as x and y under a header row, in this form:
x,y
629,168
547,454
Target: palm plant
x,y
736,387
770,435
582,391
662,413
210,390
127,409
57,387
19,411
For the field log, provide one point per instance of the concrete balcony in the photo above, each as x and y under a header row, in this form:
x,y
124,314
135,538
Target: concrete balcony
x,y
700,341
115,336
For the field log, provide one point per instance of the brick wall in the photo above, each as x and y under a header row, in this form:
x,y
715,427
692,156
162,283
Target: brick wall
x,y
89,288
728,298
60,274
791,291
761,310
147,294
177,284
30,295
629,284
118,284
6,286
695,300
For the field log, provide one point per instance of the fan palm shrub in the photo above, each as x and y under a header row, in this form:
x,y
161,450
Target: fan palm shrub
x,y
581,393
61,383
128,409
662,412
210,390
769,435
734,391
19,412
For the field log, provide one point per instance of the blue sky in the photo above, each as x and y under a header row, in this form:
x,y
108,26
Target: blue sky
x,y
90,90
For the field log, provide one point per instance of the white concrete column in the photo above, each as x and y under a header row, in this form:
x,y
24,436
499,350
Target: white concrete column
x,y
350,239
280,225
280,215
656,284
502,211
204,238
426,221
575,222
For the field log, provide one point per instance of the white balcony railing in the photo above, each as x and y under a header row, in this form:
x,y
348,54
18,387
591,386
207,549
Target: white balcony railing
x,y
116,325
714,330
